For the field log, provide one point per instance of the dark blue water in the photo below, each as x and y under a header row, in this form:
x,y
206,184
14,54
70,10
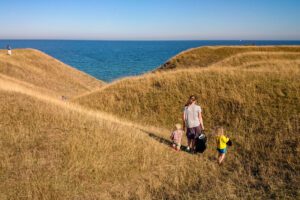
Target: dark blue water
x,y
109,60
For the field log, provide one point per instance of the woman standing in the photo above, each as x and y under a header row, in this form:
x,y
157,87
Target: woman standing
x,y
192,120
8,47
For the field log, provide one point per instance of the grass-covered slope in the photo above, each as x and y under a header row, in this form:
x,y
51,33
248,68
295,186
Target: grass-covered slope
x,y
46,73
256,97
56,150
239,82
206,56
52,149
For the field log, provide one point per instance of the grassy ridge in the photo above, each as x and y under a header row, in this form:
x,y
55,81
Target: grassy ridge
x,y
44,72
205,56
159,97
225,95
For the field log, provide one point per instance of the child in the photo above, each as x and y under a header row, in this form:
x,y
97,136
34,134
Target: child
x,y
221,143
176,137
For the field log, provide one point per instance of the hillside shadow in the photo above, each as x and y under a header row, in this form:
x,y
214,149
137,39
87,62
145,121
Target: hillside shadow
x,y
163,140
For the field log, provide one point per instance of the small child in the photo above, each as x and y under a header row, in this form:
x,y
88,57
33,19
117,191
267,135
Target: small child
x,y
176,137
222,141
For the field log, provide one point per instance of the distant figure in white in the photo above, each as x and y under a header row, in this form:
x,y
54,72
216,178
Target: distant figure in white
x,y
8,50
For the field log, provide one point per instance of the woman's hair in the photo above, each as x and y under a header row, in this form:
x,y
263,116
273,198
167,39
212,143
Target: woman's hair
x,y
191,100
219,130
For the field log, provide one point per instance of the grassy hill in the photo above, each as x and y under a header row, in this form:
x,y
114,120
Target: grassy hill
x,y
255,95
51,149
39,70
157,98
112,143
206,56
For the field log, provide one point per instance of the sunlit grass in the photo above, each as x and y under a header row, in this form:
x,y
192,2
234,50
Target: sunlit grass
x,y
106,144
45,73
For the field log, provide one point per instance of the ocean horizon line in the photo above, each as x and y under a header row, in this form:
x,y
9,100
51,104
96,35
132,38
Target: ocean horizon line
x,y
150,40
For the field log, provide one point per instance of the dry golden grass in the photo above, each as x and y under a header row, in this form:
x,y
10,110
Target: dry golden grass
x,y
254,95
157,92
51,149
56,150
44,72
206,56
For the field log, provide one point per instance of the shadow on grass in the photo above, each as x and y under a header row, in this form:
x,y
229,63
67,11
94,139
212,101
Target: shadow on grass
x,y
163,140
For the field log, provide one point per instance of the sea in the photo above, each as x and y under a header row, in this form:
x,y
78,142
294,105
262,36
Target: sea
x,y
111,60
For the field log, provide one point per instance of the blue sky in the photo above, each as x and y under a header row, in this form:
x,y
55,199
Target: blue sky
x,y
150,19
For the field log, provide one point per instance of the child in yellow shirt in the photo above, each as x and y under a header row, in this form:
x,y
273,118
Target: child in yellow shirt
x,y
221,143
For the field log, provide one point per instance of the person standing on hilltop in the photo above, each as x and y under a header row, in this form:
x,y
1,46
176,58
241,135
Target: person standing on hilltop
x,y
8,47
192,120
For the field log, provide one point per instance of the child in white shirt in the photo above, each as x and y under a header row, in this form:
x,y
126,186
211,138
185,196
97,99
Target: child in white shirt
x,y
176,137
